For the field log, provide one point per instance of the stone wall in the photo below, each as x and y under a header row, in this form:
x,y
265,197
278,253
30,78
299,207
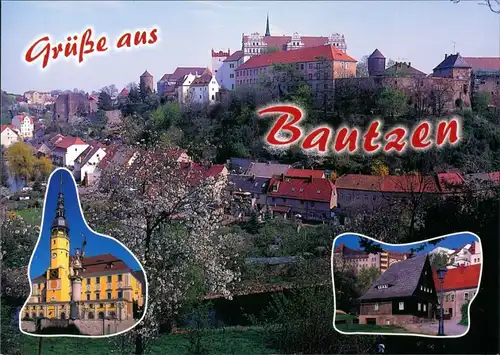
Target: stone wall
x,y
28,326
392,319
102,327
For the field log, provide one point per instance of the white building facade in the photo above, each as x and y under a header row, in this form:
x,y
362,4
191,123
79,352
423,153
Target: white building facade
x,y
24,125
87,162
228,68
9,136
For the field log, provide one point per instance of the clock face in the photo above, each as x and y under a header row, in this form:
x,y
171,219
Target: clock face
x,y
54,255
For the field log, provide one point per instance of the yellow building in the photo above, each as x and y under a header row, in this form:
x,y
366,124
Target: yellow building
x,y
109,287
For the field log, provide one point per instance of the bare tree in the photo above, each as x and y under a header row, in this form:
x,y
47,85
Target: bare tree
x,y
493,5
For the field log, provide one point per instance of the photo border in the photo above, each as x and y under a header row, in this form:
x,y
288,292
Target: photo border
x,y
146,303
404,244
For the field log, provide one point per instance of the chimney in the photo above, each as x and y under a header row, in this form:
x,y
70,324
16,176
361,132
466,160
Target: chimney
x,y
409,64
445,56
282,177
253,177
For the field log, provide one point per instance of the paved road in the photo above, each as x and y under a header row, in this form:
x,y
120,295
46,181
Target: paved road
x,y
451,327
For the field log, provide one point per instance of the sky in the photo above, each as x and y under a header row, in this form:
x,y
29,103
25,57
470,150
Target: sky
x,y
456,241
95,244
420,32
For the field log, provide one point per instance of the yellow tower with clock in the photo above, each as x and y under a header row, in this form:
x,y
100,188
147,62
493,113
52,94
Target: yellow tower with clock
x,y
59,283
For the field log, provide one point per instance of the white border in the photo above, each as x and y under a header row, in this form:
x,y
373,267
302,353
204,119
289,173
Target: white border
x,y
407,334
101,235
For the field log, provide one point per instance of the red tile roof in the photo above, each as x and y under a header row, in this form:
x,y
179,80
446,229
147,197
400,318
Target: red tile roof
x,y
21,117
305,173
302,188
405,183
234,57
180,72
202,80
55,139
165,77
484,63
67,142
495,176
448,181
462,277
11,127
296,56
124,92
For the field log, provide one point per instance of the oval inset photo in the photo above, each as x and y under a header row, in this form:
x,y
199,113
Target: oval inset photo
x,y
82,283
420,289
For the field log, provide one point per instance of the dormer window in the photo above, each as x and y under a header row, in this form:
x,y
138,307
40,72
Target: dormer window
x,y
380,287
275,188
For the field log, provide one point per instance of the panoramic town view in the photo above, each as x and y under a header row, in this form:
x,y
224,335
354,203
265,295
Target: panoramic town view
x,y
235,238
402,288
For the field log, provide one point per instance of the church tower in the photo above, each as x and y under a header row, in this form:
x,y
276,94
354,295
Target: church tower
x,y
58,282
268,32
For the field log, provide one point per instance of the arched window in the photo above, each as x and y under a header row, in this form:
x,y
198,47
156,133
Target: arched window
x,y
91,315
41,315
63,315
112,315
101,315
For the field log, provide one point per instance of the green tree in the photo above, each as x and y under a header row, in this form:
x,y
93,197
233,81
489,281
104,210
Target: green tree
x,y
480,101
440,260
21,160
392,102
105,102
365,279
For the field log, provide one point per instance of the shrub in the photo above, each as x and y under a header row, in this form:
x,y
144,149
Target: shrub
x,y
465,315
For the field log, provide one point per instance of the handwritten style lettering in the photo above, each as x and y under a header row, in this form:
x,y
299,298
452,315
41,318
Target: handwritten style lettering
x,y
346,139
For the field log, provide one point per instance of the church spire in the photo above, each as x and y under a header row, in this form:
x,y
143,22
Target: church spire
x,y
268,32
60,218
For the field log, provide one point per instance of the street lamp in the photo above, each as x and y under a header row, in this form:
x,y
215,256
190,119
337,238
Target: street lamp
x,y
441,273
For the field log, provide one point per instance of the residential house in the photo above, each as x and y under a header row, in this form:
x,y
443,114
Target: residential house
x,y
356,260
460,285
24,124
179,155
9,136
37,98
450,183
317,174
116,156
87,161
311,198
66,150
217,61
319,66
267,170
227,70
43,150
251,188
169,81
404,294
39,131
204,90
366,192
468,254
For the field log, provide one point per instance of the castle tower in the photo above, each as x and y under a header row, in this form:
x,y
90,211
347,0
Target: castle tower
x,y
268,32
146,81
376,63
58,282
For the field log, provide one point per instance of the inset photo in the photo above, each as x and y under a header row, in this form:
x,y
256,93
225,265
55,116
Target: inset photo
x,y
82,283
420,289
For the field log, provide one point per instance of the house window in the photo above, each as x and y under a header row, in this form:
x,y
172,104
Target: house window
x,y
310,76
317,76
301,66
109,295
109,278
466,296
377,305
88,297
421,287
213,97
419,306
231,65
120,277
401,306
231,76
425,307
97,296
97,280
120,294
310,65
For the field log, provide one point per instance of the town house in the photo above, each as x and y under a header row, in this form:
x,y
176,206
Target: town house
x,y
87,161
204,90
66,150
366,192
318,174
311,198
404,294
251,188
459,286
9,135
267,170
24,124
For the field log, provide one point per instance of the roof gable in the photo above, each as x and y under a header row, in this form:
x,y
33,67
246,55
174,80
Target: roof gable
x,y
315,189
402,277
266,169
452,61
459,278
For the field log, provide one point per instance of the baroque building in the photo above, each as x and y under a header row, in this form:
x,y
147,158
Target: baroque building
x,y
82,287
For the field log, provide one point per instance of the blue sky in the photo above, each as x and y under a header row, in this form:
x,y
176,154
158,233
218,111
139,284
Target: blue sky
x,y
415,31
456,241
95,244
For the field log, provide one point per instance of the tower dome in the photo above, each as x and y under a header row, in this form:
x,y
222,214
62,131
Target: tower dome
x,y
376,63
